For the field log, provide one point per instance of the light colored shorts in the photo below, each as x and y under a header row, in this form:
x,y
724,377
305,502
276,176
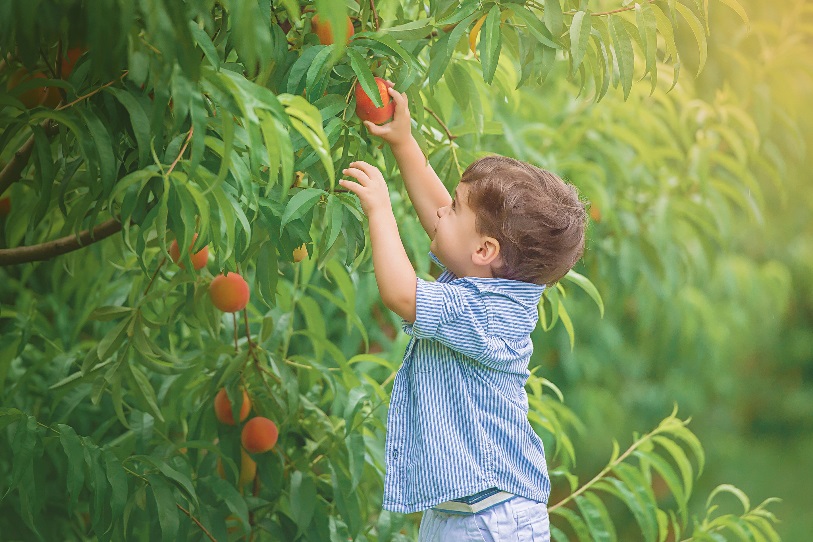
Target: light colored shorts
x,y
516,520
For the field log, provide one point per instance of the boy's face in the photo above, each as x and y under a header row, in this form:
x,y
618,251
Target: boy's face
x,y
456,238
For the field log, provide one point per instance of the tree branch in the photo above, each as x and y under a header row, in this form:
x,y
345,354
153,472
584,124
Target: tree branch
x,y
449,134
51,249
13,170
198,523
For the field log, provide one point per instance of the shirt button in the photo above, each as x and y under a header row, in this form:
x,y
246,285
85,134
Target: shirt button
x,y
395,454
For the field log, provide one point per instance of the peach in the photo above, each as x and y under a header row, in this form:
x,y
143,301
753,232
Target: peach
x,y
223,410
5,206
259,435
71,58
300,253
366,109
229,292
325,32
32,97
199,258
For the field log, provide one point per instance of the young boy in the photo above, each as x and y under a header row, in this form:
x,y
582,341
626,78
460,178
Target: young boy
x,y
459,443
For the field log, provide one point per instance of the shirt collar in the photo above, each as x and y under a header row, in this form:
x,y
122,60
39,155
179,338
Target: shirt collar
x,y
525,293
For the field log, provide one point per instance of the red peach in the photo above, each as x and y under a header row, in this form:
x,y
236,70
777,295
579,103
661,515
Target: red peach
x,y
259,435
223,410
366,109
229,292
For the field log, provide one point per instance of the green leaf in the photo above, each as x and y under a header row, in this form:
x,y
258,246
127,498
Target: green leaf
x,y
667,31
266,273
566,321
412,30
679,456
303,499
118,482
307,120
318,75
144,389
490,44
584,283
579,36
180,479
205,43
76,460
597,518
458,31
553,16
623,53
333,216
227,494
300,204
112,340
737,7
166,506
537,29
356,451
667,472
733,490
365,77
576,523
699,33
647,27
104,147
439,57
110,312
637,495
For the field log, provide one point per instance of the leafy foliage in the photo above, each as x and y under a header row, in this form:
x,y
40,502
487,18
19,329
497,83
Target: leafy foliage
x,y
230,120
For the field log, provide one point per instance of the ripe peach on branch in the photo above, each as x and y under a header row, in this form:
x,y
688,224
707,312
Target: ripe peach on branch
x,y
259,435
229,292
366,108
223,407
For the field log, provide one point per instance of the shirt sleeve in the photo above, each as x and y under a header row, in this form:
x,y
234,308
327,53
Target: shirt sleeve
x,y
456,316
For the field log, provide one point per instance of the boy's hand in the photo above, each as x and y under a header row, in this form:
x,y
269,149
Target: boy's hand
x,y
371,187
398,130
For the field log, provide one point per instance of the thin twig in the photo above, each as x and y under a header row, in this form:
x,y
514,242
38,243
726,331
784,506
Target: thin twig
x,y
449,134
160,265
89,94
248,331
183,149
268,372
198,523
375,15
619,10
236,348
47,65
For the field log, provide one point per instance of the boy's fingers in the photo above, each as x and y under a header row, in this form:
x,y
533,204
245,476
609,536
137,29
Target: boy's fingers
x,y
350,185
398,97
375,129
369,169
359,174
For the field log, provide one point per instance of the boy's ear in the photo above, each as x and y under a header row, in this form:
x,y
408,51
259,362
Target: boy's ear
x,y
487,253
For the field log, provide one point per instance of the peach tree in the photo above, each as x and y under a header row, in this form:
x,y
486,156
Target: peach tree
x,y
137,135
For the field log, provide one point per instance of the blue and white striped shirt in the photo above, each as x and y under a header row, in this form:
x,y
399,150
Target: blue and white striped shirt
x,y
458,418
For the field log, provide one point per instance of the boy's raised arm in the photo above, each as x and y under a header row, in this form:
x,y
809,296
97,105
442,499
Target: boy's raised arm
x,y
425,189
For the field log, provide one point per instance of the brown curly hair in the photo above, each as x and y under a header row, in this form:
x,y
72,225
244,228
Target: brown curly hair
x,y
537,218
